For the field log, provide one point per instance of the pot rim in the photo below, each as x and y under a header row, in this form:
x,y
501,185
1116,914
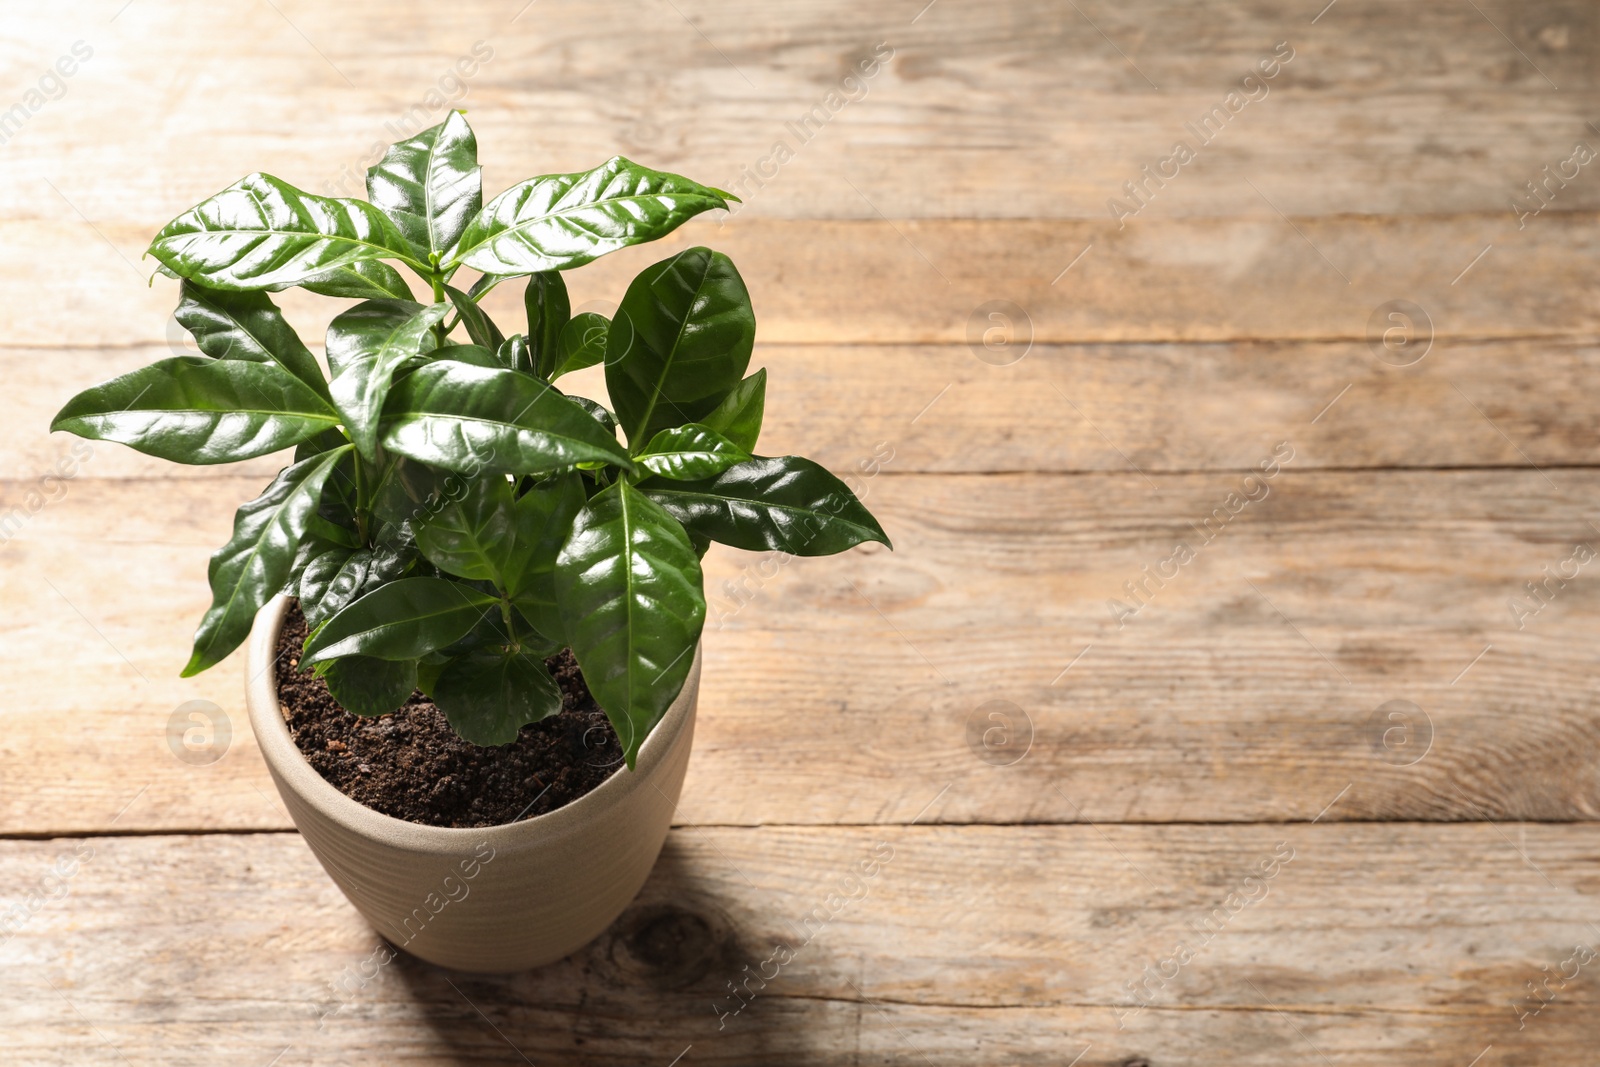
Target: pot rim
x,y
289,765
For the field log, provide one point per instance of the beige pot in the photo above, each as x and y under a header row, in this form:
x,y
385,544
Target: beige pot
x,y
499,899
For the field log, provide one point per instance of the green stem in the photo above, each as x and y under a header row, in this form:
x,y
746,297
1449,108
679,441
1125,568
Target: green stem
x,y
440,330
511,627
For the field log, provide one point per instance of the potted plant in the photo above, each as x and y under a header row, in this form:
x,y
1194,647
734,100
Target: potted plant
x,y
452,523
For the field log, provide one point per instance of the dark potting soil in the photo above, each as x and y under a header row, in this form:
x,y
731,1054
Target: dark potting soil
x,y
411,765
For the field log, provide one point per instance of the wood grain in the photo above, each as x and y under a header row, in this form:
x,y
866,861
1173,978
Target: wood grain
x,y
1064,937
1244,689
1344,652
1063,408
1030,110
932,282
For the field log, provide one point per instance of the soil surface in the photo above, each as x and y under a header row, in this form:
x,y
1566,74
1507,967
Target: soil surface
x,y
411,765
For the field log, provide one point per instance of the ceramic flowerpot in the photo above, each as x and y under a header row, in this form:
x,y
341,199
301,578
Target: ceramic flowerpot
x,y
497,899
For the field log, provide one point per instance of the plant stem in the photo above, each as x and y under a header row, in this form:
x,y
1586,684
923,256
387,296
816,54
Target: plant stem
x,y
511,627
440,331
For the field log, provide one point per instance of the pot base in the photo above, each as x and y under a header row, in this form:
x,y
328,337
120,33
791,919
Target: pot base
x,y
490,900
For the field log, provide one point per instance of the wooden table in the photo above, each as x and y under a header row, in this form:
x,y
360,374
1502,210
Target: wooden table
x,y
1319,791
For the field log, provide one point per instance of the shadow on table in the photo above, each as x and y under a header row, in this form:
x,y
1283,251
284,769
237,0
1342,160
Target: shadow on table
x,y
651,989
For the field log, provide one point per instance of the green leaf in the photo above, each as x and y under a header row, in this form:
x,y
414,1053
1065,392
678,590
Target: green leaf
x,y
628,585
255,564
549,309
263,233
471,535
401,620
582,343
467,418
367,686
479,326
367,279
366,345
689,452
431,185
543,519
324,563
679,343
597,411
738,417
565,220
246,326
788,503
513,354
360,573
490,696
476,355
190,409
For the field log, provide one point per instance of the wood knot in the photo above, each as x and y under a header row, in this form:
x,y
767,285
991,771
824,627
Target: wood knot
x,y
667,946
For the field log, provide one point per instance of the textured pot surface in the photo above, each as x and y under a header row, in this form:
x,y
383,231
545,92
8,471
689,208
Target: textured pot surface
x,y
501,898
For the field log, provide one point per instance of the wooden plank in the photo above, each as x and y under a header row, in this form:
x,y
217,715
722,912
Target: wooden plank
x,y
1180,407
978,945
1247,686
933,282
1025,111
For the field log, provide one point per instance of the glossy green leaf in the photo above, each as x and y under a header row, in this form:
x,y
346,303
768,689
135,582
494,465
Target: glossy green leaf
x,y
479,326
597,411
543,519
628,585
190,409
367,686
320,567
360,572
738,417
476,355
582,344
513,354
565,220
430,186
401,620
467,418
549,309
255,564
787,503
366,279
263,233
689,452
471,535
366,345
490,696
486,284
246,326
679,343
